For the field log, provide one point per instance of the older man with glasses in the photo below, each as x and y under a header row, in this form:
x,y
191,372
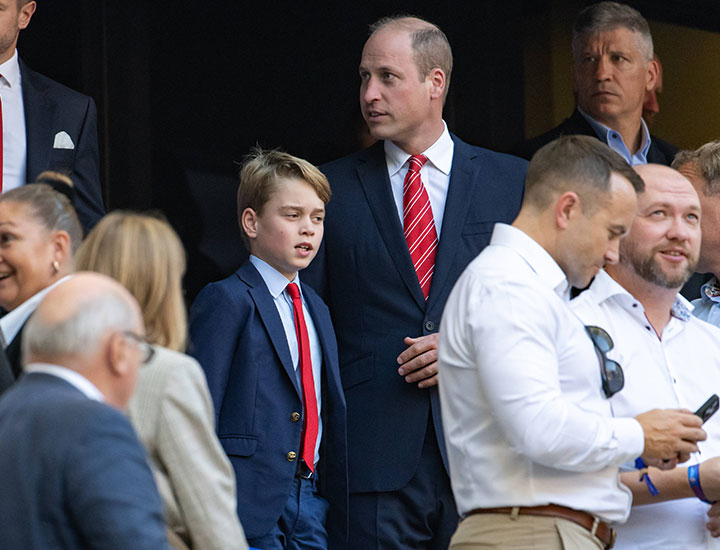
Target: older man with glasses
x,y
533,447
669,358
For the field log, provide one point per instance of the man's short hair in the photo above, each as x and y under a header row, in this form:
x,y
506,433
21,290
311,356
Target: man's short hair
x,y
261,173
430,46
706,160
582,164
608,16
81,332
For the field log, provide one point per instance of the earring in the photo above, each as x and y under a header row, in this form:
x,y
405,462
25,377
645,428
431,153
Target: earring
x,y
56,266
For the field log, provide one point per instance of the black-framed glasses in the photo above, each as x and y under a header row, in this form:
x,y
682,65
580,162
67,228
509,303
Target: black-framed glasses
x,y
147,352
611,372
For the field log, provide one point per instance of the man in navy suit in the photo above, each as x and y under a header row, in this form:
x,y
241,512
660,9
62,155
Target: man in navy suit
x,y
385,319
45,125
73,473
282,426
613,70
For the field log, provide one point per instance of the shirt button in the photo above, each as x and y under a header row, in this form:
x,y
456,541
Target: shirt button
x,y
614,135
429,325
647,327
291,456
634,305
295,416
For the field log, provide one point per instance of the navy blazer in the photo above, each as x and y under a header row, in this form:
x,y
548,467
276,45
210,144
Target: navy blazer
x,y
73,473
365,274
660,152
50,108
238,338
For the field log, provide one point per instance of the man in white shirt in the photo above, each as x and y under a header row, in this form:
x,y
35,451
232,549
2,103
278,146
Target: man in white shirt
x,y
44,125
702,168
669,358
533,447
75,475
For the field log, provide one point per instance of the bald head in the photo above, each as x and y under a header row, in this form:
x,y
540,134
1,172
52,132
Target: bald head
x,y
661,250
84,324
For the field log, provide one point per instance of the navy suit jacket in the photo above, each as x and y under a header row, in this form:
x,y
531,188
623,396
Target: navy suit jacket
x,y
73,474
660,152
50,108
365,274
238,338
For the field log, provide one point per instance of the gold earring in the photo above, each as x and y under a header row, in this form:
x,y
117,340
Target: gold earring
x,y
56,266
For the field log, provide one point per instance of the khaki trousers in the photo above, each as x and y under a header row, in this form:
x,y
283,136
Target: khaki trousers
x,y
520,532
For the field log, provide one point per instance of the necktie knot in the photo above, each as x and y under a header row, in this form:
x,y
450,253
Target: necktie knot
x,y
293,291
417,162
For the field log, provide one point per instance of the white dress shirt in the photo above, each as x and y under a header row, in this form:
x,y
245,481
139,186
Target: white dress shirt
x,y
13,125
13,321
679,370
526,421
435,174
276,283
70,376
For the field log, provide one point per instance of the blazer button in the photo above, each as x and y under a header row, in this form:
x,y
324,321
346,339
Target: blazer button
x,y
295,416
291,456
429,325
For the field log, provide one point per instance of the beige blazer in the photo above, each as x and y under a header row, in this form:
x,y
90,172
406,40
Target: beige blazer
x,y
173,415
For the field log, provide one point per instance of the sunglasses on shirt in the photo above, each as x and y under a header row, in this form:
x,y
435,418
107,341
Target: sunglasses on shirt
x,y
611,372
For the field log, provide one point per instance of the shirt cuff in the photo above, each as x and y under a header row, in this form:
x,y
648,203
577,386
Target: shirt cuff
x,y
630,438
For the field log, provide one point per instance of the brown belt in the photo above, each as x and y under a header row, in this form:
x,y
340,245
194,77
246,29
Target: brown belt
x,y
600,529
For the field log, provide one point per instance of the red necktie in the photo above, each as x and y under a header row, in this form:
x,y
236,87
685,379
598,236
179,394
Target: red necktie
x,y
310,418
419,224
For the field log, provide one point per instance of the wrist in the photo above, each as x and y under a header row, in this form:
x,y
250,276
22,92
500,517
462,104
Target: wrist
x,y
694,480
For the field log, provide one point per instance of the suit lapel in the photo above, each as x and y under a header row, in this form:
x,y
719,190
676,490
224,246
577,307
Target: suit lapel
x,y
372,172
459,193
39,112
270,318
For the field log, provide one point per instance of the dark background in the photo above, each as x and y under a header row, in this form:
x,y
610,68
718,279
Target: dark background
x,y
185,88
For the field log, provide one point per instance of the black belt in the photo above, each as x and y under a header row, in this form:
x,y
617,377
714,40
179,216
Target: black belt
x,y
303,471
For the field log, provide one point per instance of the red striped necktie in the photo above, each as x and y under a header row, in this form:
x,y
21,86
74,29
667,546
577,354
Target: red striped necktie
x,y
419,225
310,418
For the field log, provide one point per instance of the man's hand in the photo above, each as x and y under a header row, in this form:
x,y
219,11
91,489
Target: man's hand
x,y
714,524
670,434
418,363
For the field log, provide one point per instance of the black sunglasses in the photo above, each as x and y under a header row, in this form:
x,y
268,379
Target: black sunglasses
x,y
611,372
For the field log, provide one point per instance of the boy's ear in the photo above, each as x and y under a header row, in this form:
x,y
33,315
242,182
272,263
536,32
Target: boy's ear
x,y
248,222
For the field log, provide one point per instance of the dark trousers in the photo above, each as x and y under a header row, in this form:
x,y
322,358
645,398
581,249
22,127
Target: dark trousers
x,y
420,516
302,524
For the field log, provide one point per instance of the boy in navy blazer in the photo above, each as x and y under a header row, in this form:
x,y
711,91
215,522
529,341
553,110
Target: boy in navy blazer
x,y
272,367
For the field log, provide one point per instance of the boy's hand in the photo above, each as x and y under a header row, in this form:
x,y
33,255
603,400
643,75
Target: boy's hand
x,y
419,361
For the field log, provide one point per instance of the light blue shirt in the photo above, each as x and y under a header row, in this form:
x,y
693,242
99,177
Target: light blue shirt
x,y
276,283
707,307
615,141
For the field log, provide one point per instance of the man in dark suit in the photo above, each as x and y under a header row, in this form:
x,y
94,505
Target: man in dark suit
x,y
73,473
613,69
385,299
45,125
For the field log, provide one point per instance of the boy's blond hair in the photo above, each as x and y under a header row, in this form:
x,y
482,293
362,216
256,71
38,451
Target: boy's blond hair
x,y
261,173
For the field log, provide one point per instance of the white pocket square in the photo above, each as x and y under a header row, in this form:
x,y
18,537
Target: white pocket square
x,y
63,141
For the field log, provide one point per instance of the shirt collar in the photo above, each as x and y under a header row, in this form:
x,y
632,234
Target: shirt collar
x,y
539,260
611,137
72,377
274,280
605,287
13,321
440,154
10,71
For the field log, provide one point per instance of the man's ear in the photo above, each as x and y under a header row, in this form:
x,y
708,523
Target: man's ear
x,y
567,207
26,13
653,69
249,222
437,83
118,354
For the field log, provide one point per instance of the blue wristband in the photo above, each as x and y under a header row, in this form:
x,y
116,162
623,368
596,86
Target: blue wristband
x,y
640,465
694,479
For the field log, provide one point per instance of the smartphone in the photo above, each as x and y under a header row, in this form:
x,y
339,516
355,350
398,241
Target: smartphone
x,y
708,408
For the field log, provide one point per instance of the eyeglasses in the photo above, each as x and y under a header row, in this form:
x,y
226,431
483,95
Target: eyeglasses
x,y
611,372
146,350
